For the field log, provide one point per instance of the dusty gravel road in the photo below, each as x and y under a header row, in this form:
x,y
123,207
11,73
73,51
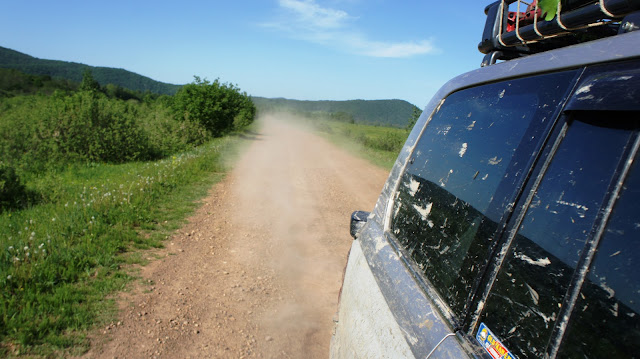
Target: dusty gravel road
x,y
256,271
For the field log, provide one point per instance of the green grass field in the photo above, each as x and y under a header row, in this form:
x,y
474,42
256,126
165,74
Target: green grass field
x,y
60,258
377,144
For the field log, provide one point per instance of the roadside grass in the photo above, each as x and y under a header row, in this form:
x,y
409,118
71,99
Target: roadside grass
x,y
377,144
62,258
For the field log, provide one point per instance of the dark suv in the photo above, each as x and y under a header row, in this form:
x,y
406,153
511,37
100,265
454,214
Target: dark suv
x,y
509,226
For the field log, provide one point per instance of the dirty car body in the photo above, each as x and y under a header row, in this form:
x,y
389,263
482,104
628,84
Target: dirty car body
x,y
508,226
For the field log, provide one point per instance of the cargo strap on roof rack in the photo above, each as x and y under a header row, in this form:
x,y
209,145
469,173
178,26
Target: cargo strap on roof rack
x,y
511,34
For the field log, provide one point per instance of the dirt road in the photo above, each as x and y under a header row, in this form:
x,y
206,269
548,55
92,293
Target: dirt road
x,y
256,271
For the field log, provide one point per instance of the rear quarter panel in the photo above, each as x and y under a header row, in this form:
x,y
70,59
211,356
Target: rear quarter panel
x,y
366,328
383,312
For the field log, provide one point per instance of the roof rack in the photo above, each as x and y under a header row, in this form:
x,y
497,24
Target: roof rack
x,y
510,34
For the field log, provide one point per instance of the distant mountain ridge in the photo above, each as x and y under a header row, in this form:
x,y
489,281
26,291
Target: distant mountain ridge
x,y
73,71
394,113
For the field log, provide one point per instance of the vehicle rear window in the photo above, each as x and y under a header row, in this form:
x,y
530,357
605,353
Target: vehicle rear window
x,y
526,298
463,173
606,319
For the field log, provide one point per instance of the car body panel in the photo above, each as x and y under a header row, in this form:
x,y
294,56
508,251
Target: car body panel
x,y
421,320
368,329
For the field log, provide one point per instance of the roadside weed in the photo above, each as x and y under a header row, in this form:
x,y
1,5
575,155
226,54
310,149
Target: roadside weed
x,y
377,144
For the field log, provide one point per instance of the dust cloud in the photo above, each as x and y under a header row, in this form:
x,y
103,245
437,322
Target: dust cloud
x,y
295,192
256,271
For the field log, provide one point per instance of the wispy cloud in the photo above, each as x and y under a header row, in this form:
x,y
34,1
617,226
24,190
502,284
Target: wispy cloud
x,y
386,49
309,21
310,15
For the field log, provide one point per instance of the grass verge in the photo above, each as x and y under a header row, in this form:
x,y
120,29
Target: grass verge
x,y
61,258
377,144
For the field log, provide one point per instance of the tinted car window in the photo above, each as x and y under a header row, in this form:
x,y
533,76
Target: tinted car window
x,y
527,295
606,318
463,173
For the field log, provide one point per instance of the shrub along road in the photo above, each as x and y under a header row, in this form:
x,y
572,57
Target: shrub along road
x,y
257,270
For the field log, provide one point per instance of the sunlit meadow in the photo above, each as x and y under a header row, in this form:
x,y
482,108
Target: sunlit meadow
x,y
59,259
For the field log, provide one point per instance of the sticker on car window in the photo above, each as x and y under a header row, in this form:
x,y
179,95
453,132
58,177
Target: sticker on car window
x,y
491,344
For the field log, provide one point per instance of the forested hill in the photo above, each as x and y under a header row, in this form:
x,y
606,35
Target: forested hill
x,y
395,113
73,71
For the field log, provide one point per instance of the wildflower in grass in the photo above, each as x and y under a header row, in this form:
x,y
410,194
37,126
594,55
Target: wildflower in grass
x,y
10,248
53,219
41,245
9,277
26,248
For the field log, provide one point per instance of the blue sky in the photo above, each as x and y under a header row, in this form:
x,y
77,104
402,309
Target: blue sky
x,y
299,49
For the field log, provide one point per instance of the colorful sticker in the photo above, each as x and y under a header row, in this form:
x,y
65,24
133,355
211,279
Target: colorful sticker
x,y
491,344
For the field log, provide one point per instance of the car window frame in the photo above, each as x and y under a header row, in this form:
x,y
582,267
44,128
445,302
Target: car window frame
x,y
459,324
592,239
507,227
590,248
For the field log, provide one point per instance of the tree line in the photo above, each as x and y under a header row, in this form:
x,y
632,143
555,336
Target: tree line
x,y
11,59
393,113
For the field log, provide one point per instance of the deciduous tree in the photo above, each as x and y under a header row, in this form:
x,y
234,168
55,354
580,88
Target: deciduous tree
x,y
88,82
214,105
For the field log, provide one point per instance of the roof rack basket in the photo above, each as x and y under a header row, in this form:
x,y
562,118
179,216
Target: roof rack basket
x,y
510,34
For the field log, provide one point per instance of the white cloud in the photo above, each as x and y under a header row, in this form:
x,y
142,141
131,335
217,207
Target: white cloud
x,y
385,49
309,14
309,21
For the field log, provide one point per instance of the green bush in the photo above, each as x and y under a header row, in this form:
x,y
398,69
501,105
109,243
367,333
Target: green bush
x,y
323,127
18,121
342,116
168,135
388,142
12,191
39,133
218,107
246,113
87,126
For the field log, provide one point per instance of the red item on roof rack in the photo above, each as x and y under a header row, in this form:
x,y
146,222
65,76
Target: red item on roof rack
x,y
510,34
525,18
